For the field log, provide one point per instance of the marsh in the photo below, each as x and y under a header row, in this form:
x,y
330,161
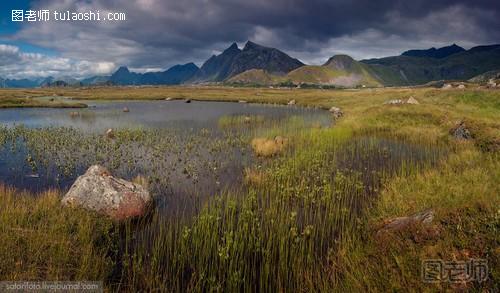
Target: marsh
x,y
187,151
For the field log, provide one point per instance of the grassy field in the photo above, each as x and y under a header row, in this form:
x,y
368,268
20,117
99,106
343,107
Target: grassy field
x,y
310,217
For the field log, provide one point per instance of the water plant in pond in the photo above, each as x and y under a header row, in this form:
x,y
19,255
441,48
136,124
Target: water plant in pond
x,y
305,221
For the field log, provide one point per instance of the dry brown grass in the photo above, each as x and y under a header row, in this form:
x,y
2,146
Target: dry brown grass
x,y
253,176
265,147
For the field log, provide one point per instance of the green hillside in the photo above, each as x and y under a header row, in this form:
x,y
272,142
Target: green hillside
x,y
255,77
411,70
340,70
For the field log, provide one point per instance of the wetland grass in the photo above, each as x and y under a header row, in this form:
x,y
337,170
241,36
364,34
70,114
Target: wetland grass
x,y
308,218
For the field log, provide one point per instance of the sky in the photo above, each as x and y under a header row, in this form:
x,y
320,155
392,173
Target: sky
x,y
157,34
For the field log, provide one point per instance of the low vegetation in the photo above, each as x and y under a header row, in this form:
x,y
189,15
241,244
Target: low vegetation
x,y
304,220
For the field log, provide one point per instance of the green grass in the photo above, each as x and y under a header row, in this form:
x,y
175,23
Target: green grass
x,y
14,102
310,224
43,241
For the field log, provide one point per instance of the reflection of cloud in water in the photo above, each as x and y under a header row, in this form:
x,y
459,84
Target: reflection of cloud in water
x,y
148,114
179,147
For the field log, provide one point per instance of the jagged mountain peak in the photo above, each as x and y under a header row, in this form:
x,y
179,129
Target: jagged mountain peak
x,y
123,69
439,53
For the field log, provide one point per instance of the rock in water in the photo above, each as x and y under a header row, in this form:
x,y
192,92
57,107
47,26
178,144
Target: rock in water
x,y
126,110
412,101
98,191
110,133
337,113
292,102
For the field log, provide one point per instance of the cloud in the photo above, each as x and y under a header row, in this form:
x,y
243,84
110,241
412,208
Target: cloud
x,y
15,64
162,33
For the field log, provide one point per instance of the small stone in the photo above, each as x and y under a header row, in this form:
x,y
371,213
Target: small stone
x,y
110,133
412,101
337,112
460,131
394,102
126,110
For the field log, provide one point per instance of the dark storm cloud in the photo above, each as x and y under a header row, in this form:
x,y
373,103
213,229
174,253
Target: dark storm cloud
x,y
159,33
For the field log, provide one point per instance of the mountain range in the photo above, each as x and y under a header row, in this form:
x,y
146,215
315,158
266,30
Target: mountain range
x,y
260,65
427,66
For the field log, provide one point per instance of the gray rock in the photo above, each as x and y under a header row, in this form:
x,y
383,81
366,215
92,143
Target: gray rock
x,y
98,191
491,83
337,112
394,102
400,223
460,131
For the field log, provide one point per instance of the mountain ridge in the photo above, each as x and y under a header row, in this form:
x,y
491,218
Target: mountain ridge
x,y
410,70
264,65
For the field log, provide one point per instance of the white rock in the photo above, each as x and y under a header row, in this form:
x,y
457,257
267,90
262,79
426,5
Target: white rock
x,y
98,191
412,101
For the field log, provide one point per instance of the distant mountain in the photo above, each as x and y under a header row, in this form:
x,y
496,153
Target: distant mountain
x,y
435,53
175,75
217,67
259,65
339,71
234,61
62,81
97,80
17,83
411,70
272,60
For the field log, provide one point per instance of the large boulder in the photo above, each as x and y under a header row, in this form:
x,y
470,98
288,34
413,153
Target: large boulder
x,y
97,190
